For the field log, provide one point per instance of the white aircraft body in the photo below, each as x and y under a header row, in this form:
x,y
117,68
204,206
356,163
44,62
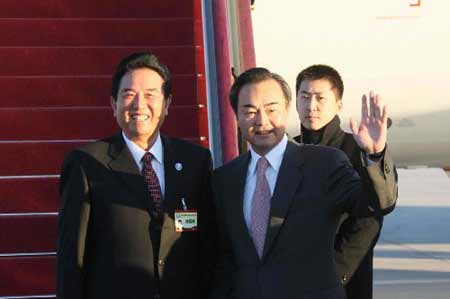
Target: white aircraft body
x,y
400,49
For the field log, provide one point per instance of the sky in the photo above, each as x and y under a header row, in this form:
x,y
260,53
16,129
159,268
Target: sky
x,y
401,52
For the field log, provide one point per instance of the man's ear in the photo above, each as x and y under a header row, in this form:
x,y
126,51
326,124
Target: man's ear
x,y
340,105
167,105
113,106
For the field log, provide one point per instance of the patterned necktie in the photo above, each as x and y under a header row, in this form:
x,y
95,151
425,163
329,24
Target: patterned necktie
x,y
260,206
153,184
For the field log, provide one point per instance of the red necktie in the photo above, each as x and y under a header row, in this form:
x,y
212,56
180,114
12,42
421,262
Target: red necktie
x,y
153,184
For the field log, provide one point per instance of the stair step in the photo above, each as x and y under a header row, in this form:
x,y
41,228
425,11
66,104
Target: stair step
x,y
98,32
29,195
33,158
97,9
27,276
89,61
56,123
85,123
85,91
28,234
42,158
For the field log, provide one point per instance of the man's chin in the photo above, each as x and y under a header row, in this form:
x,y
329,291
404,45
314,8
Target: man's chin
x,y
313,126
264,139
142,133
264,146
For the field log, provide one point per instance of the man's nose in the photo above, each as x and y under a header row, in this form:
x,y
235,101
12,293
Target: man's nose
x,y
261,118
139,100
312,104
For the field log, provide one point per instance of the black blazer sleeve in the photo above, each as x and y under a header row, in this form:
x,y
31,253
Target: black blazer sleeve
x,y
382,179
353,194
73,223
355,238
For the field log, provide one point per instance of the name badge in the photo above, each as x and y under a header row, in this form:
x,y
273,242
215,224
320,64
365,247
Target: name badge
x,y
185,220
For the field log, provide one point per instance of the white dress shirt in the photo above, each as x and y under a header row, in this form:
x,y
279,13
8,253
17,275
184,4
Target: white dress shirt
x,y
274,157
157,163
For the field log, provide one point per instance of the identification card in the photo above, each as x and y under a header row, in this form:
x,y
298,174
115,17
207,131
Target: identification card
x,y
185,220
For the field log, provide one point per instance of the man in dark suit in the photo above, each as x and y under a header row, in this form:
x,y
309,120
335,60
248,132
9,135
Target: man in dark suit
x,y
280,204
319,90
136,217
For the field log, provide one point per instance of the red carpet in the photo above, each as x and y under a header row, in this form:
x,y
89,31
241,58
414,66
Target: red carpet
x,y
57,59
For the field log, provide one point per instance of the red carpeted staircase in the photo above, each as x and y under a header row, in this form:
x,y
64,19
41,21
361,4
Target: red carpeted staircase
x,y
56,62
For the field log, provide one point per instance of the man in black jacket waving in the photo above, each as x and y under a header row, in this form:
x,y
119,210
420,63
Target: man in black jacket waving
x,y
319,90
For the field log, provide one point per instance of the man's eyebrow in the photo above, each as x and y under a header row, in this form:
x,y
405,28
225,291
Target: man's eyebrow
x,y
127,90
132,90
248,106
271,104
310,93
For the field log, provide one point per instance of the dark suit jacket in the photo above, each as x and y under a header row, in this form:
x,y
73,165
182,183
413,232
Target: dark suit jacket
x,y
356,237
104,244
315,186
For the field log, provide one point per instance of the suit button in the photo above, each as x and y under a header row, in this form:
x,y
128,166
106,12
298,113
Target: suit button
x,y
344,278
161,263
387,169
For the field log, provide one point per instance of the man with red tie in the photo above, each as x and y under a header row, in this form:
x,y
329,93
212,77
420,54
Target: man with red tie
x,y
118,236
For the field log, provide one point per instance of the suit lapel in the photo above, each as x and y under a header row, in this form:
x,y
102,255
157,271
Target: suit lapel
x,y
173,193
124,166
172,176
236,178
288,180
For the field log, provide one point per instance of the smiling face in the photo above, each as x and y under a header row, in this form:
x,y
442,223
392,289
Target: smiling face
x,y
140,107
317,103
262,114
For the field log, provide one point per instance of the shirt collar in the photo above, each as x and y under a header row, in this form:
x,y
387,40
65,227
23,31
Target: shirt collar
x,y
274,156
156,150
